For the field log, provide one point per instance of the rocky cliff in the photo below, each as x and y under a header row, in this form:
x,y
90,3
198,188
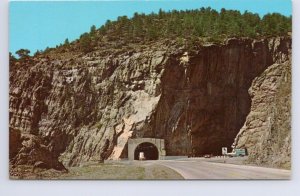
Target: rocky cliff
x,y
74,107
266,134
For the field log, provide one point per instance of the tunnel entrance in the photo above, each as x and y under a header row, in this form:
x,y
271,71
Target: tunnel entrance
x,y
150,151
152,148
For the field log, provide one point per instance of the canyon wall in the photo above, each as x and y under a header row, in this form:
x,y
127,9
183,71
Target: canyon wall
x,y
83,107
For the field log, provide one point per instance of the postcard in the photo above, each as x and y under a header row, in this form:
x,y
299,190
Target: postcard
x,y
150,89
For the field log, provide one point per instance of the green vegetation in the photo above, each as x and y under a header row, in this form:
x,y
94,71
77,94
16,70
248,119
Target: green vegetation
x,y
12,59
23,53
117,171
85,43
93,30
204,22
67,42
24,58
187,27
37,53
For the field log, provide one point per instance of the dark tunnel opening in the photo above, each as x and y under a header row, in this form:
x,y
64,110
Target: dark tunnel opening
x,y
150,151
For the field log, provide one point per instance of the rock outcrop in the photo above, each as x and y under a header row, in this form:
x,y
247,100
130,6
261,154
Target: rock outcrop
x,y
196,99
266,133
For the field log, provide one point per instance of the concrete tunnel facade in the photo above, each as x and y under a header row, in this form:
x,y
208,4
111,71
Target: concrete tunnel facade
x,y
133,145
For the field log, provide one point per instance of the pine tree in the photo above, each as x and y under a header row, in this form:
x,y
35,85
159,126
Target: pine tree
x,y
93,30
85,43
67,42
23,53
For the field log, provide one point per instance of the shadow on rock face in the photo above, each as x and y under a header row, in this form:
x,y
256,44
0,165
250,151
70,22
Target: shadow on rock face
x,y
57,166
33,152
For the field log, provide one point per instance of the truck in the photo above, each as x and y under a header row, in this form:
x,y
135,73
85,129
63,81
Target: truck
x,y
237,152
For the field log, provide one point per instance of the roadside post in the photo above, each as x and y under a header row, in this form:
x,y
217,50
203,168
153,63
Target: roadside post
x,y
224,153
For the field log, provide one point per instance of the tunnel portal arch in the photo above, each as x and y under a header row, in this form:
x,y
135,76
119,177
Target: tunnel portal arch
x,y
149,149
153,148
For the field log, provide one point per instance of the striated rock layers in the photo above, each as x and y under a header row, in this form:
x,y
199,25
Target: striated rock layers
x,y
82,106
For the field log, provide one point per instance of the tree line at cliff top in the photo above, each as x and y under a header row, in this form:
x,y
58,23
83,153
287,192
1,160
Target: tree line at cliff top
x,y
203,22
191,25
184,25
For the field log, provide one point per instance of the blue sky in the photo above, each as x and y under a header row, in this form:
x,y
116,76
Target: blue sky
x,y
35,25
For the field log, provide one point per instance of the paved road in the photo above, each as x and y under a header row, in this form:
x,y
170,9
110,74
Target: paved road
x,y
201,169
